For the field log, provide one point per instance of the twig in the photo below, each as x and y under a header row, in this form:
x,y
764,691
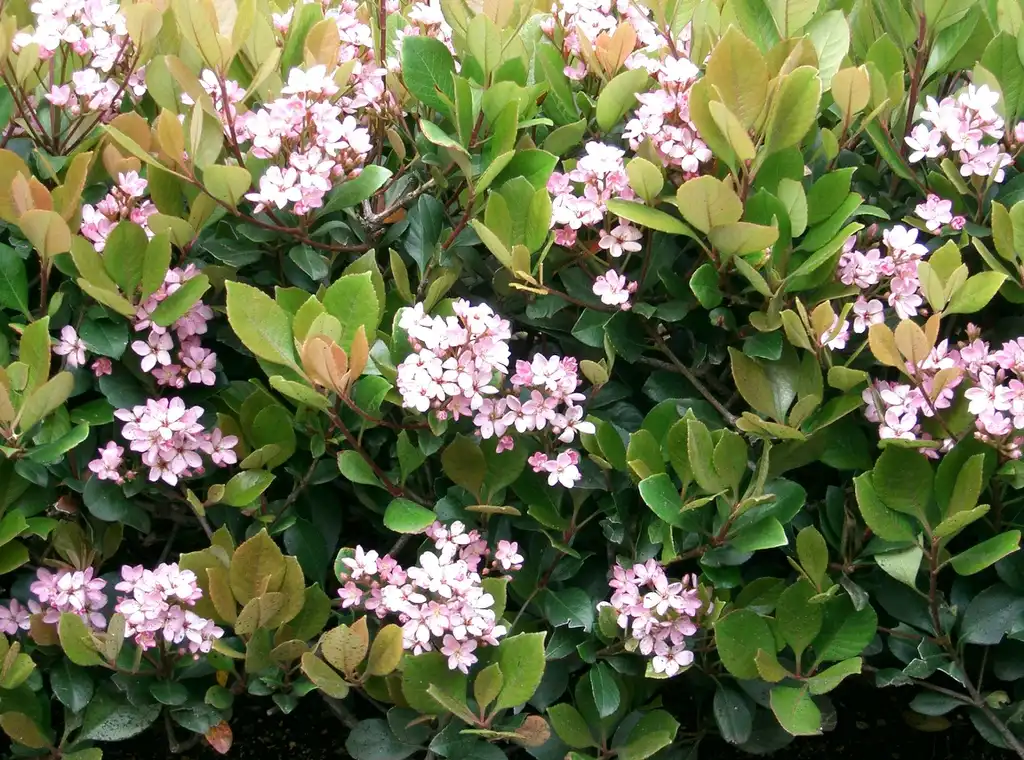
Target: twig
x,y
682,369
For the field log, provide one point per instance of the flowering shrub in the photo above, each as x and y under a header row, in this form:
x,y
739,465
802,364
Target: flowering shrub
x,y
516,366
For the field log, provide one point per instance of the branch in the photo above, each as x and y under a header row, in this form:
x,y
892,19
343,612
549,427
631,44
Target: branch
x,y
680,368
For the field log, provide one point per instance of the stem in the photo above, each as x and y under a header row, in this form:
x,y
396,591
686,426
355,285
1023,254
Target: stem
x,y
392,488
915,80
682,369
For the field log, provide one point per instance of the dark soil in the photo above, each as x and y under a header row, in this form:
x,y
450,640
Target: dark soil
x,y
871,727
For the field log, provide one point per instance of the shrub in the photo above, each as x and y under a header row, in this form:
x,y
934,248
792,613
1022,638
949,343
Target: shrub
x,y
516,367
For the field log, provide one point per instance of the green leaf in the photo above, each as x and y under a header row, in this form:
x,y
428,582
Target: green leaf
x,y
605,690
707,202
794,109
352,300
812,551
124,255
571,606
76,640
156,263
903,565
830,35
700,452
792,15
355,469
648,217
464,462
104,337
245,487
323,676
799,619
975,294
846,631
902,479
742,237
884,522
704,285
570,726
521,659
23,730
385,651
967,488
34,352
991,615
738,74
427,69
257,566
72,685
13,281
111,718
1002,60
652,733
764,534
661,495
565,138
404,516
754,385
645,179
355,191
486,685
619,96
178,303
987,553
738,637
373,739
795,710
733,713
105,500
431,669
828,679
261,324
227,183
45,400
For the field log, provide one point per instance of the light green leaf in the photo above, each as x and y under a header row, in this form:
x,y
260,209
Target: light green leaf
x,y
521,659
404,516
794,109
261,324
738,637
975,294
795,710
619,96
352,300
986,554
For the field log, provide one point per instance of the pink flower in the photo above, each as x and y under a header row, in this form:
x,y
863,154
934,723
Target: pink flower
x,y
935,212
507,555
155,350
622,239
102,366
459,653
14,617
614,289
70,346
835,337
867,313
108,465
563,469
925,143
200,363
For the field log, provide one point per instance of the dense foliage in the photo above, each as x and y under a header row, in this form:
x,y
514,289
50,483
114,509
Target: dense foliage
x,y
563,380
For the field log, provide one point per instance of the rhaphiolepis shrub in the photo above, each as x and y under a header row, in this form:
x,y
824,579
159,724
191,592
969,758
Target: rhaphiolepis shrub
x,y
567,380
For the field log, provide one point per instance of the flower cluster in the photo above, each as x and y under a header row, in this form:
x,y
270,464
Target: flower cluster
x,y
191,363
64,590
969,127
658,615
171,440
579,196
581,26
872,271
315,140
364,88
899,407
459,367
428,21
156,604
440,602
96,30
663,117
124,202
